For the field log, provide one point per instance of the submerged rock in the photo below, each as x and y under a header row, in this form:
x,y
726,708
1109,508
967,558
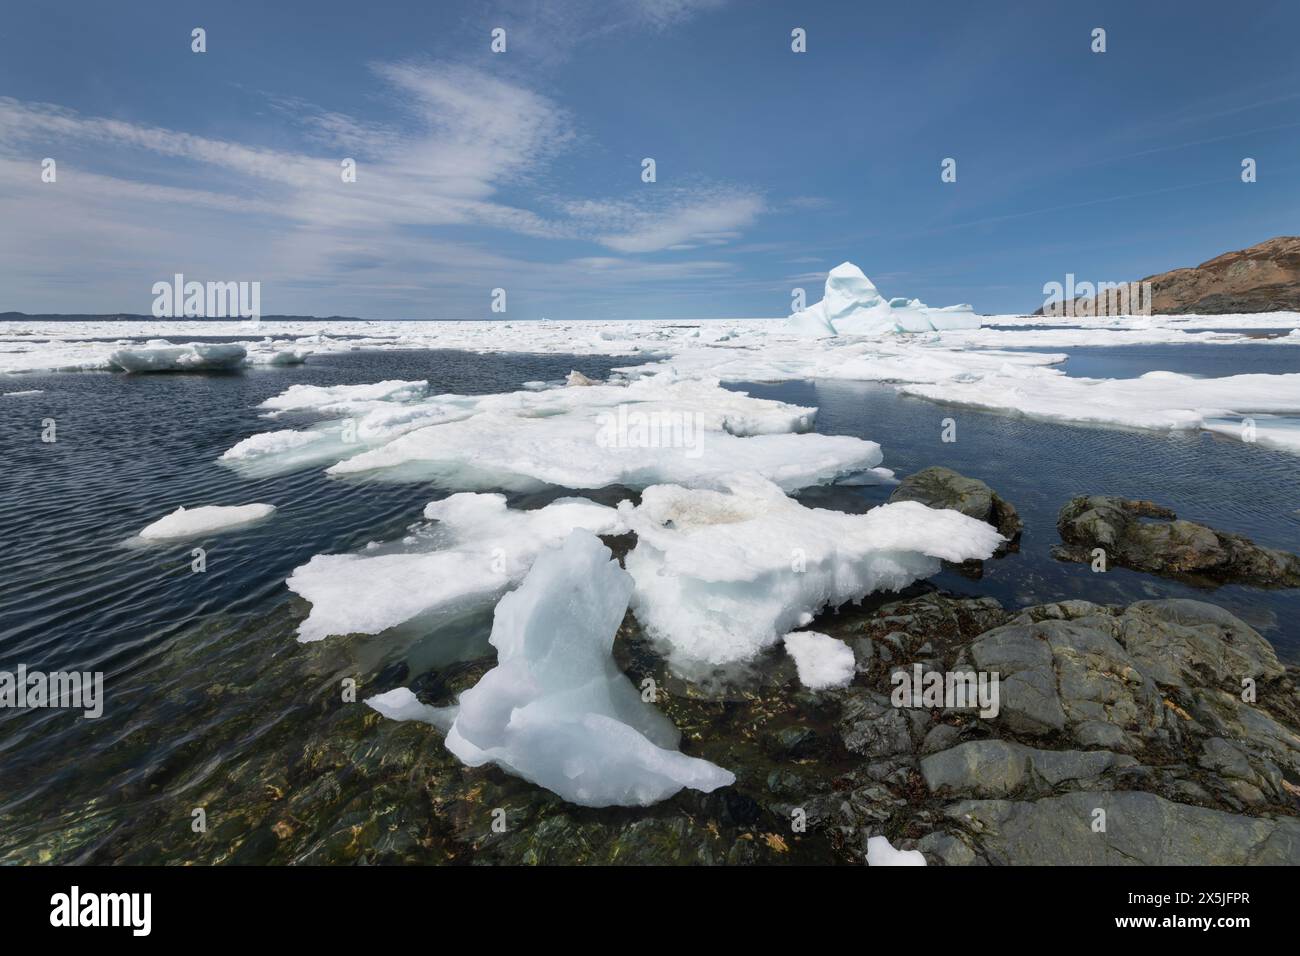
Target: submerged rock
x,y
1168,545
939,487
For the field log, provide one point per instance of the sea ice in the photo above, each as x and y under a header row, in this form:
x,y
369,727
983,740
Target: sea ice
x,y
162,356
477,549
1156,400
344,399
556,710
192,522
721,575
821,660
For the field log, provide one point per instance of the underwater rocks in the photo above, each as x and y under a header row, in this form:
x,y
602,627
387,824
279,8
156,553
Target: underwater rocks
x,y
939,487
1167,545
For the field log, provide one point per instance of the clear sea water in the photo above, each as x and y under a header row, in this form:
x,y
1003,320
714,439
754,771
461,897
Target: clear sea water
x,y
204,677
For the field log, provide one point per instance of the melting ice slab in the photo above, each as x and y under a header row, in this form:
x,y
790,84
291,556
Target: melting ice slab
x,y
162,356
477,550
657,429
556,710
722,575
190,522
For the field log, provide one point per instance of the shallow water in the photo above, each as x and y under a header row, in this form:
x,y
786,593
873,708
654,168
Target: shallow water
x,y
210,699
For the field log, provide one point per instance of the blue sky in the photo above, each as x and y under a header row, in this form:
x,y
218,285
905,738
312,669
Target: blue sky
x,y
522,170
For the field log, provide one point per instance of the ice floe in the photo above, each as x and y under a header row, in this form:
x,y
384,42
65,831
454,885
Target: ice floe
x,y
1156,400
722,575
556,710
193,522
657,428
162,356
475,551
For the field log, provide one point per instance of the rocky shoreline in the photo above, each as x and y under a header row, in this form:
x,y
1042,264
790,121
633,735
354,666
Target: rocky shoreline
x,y
1158,732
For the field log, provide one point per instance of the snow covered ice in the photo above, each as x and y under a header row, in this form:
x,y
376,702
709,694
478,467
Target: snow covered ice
x,y
475,551
192,522
1156,400
821,660
162,356
555,710
654,428
722,575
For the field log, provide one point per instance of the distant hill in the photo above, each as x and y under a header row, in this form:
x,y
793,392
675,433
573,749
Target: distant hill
x,y
130,317
1263,278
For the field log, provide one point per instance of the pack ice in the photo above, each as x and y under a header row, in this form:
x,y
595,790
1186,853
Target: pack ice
x,y
555,710
656,428
721,575
475,551
851,305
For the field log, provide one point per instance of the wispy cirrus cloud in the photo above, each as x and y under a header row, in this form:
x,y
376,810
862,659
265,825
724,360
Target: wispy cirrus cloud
x,y
464,138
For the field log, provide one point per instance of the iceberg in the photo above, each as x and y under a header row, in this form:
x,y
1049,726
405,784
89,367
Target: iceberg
x,y
851,305
192,522
723,575
556,710
477,549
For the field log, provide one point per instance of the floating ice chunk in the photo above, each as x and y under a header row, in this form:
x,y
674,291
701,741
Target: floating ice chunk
x,y
191,522
271,443
1156,400
821,660
556,710
401,704
277,356
338,398
880,852
1269,430
24,394
161,356
721,575
655,429
477,550
506,451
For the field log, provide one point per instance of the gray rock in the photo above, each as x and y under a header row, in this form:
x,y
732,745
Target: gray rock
x,y
1000,768
939,487
873,727
1167,546
1140,828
